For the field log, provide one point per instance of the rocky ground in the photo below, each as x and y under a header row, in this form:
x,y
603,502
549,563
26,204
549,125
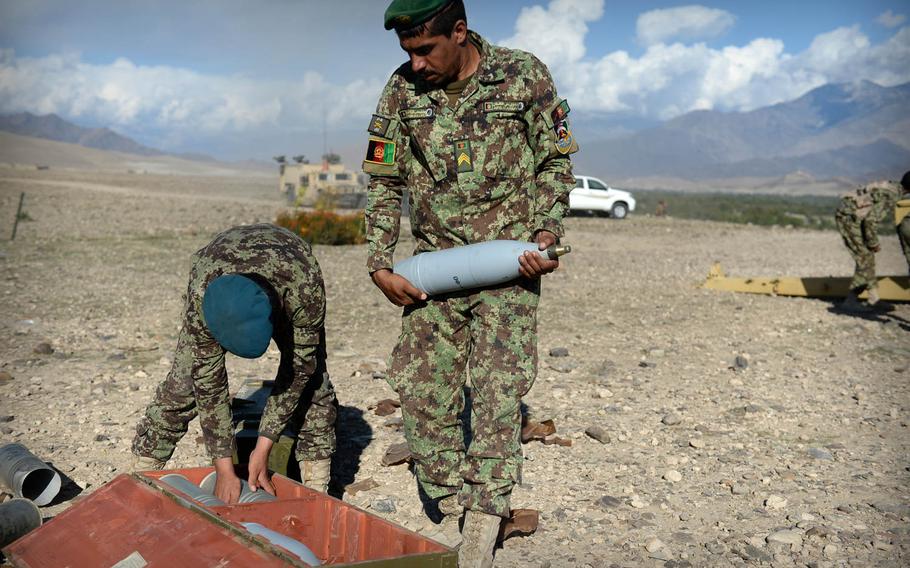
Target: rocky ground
x,y
734,429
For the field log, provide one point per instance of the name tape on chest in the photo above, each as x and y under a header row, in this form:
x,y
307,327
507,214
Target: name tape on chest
x,y
503,106
413,113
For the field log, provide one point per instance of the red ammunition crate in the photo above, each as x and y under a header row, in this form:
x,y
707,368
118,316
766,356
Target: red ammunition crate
x,y
136,518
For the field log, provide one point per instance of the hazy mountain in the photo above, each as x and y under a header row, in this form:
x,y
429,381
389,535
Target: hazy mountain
x,y
855,130
52,127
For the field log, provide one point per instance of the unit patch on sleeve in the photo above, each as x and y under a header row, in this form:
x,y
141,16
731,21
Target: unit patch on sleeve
x,y
381,152
464,161
379,126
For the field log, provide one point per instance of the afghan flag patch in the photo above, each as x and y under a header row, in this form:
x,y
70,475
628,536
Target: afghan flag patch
x,y
560,112
381,152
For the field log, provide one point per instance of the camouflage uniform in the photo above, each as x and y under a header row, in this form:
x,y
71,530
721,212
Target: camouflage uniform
x,y
903,230
493,166
858,217
197,383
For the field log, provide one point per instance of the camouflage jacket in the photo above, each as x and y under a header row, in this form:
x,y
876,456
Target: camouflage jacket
x,y
494,167
285,263
870,205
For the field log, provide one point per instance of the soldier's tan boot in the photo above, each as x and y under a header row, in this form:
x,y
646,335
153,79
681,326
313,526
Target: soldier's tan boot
x,y
852,304
479,533
316,474
144,463
872,296
448,532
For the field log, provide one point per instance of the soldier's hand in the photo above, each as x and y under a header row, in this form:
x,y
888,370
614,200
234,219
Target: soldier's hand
x,y
259,466
533,265
227,484
876,248
396,288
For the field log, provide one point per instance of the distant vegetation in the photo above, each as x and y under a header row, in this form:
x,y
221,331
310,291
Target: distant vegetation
x,y
323,227
808,211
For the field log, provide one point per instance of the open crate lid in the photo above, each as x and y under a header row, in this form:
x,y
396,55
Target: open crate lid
x,y
137,521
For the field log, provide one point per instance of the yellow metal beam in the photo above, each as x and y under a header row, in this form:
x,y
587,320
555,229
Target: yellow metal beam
x,y
891,288
901,210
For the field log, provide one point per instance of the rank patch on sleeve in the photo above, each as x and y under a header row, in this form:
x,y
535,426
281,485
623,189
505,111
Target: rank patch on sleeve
x,y
379,126
381,152
560,112
464,161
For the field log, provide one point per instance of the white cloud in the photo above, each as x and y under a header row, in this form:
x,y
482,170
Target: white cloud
x,y
180,102
672,78
891,20
555,34
684,23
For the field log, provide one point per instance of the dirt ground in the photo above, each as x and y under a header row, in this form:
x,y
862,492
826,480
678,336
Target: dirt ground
x,y
743,430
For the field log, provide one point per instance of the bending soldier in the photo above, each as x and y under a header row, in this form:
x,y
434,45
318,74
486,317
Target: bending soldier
x,y
248,286
858,217
479,138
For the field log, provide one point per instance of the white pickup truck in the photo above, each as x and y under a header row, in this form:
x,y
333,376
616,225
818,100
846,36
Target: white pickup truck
x,y
591,194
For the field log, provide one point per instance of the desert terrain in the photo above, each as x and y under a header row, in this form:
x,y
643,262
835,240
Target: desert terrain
x,y
742,430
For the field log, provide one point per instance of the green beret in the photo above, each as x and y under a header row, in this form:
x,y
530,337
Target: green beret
x,y
405,14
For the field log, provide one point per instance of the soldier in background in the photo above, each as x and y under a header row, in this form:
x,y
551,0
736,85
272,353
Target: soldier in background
x,y
903,218
858,217
248,286
479,138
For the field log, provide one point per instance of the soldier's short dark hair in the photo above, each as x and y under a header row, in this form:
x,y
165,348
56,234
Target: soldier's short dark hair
x,y
905,181
442,23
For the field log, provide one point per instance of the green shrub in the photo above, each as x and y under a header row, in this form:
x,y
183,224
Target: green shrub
x,y
807,211
322,227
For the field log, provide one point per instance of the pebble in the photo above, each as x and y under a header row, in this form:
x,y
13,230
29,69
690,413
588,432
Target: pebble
x,y
609,502
566,366
599,434
673,476
830,550
740,489
775,502
785,536
671,419
7,417
384,505
43,348
559,352
820,454
638,503
697,443
740,363
4,377
654,545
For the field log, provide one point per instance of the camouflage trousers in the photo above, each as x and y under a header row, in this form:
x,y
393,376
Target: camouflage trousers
x,y
491,336
903,233
167,417
851,229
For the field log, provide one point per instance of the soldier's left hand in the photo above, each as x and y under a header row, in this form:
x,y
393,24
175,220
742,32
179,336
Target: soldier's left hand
x,y
259,466
533,265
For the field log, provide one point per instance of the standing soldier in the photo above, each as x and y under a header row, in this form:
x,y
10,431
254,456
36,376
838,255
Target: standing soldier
x,y
250,285
858,217
479,138
902,218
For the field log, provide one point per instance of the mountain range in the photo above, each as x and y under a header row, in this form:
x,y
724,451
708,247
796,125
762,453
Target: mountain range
x,y
857,130
830,137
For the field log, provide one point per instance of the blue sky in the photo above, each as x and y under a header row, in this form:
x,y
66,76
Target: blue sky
x,y
251,78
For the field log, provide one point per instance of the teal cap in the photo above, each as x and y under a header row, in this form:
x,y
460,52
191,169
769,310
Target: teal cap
x,y
405,14
238,312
